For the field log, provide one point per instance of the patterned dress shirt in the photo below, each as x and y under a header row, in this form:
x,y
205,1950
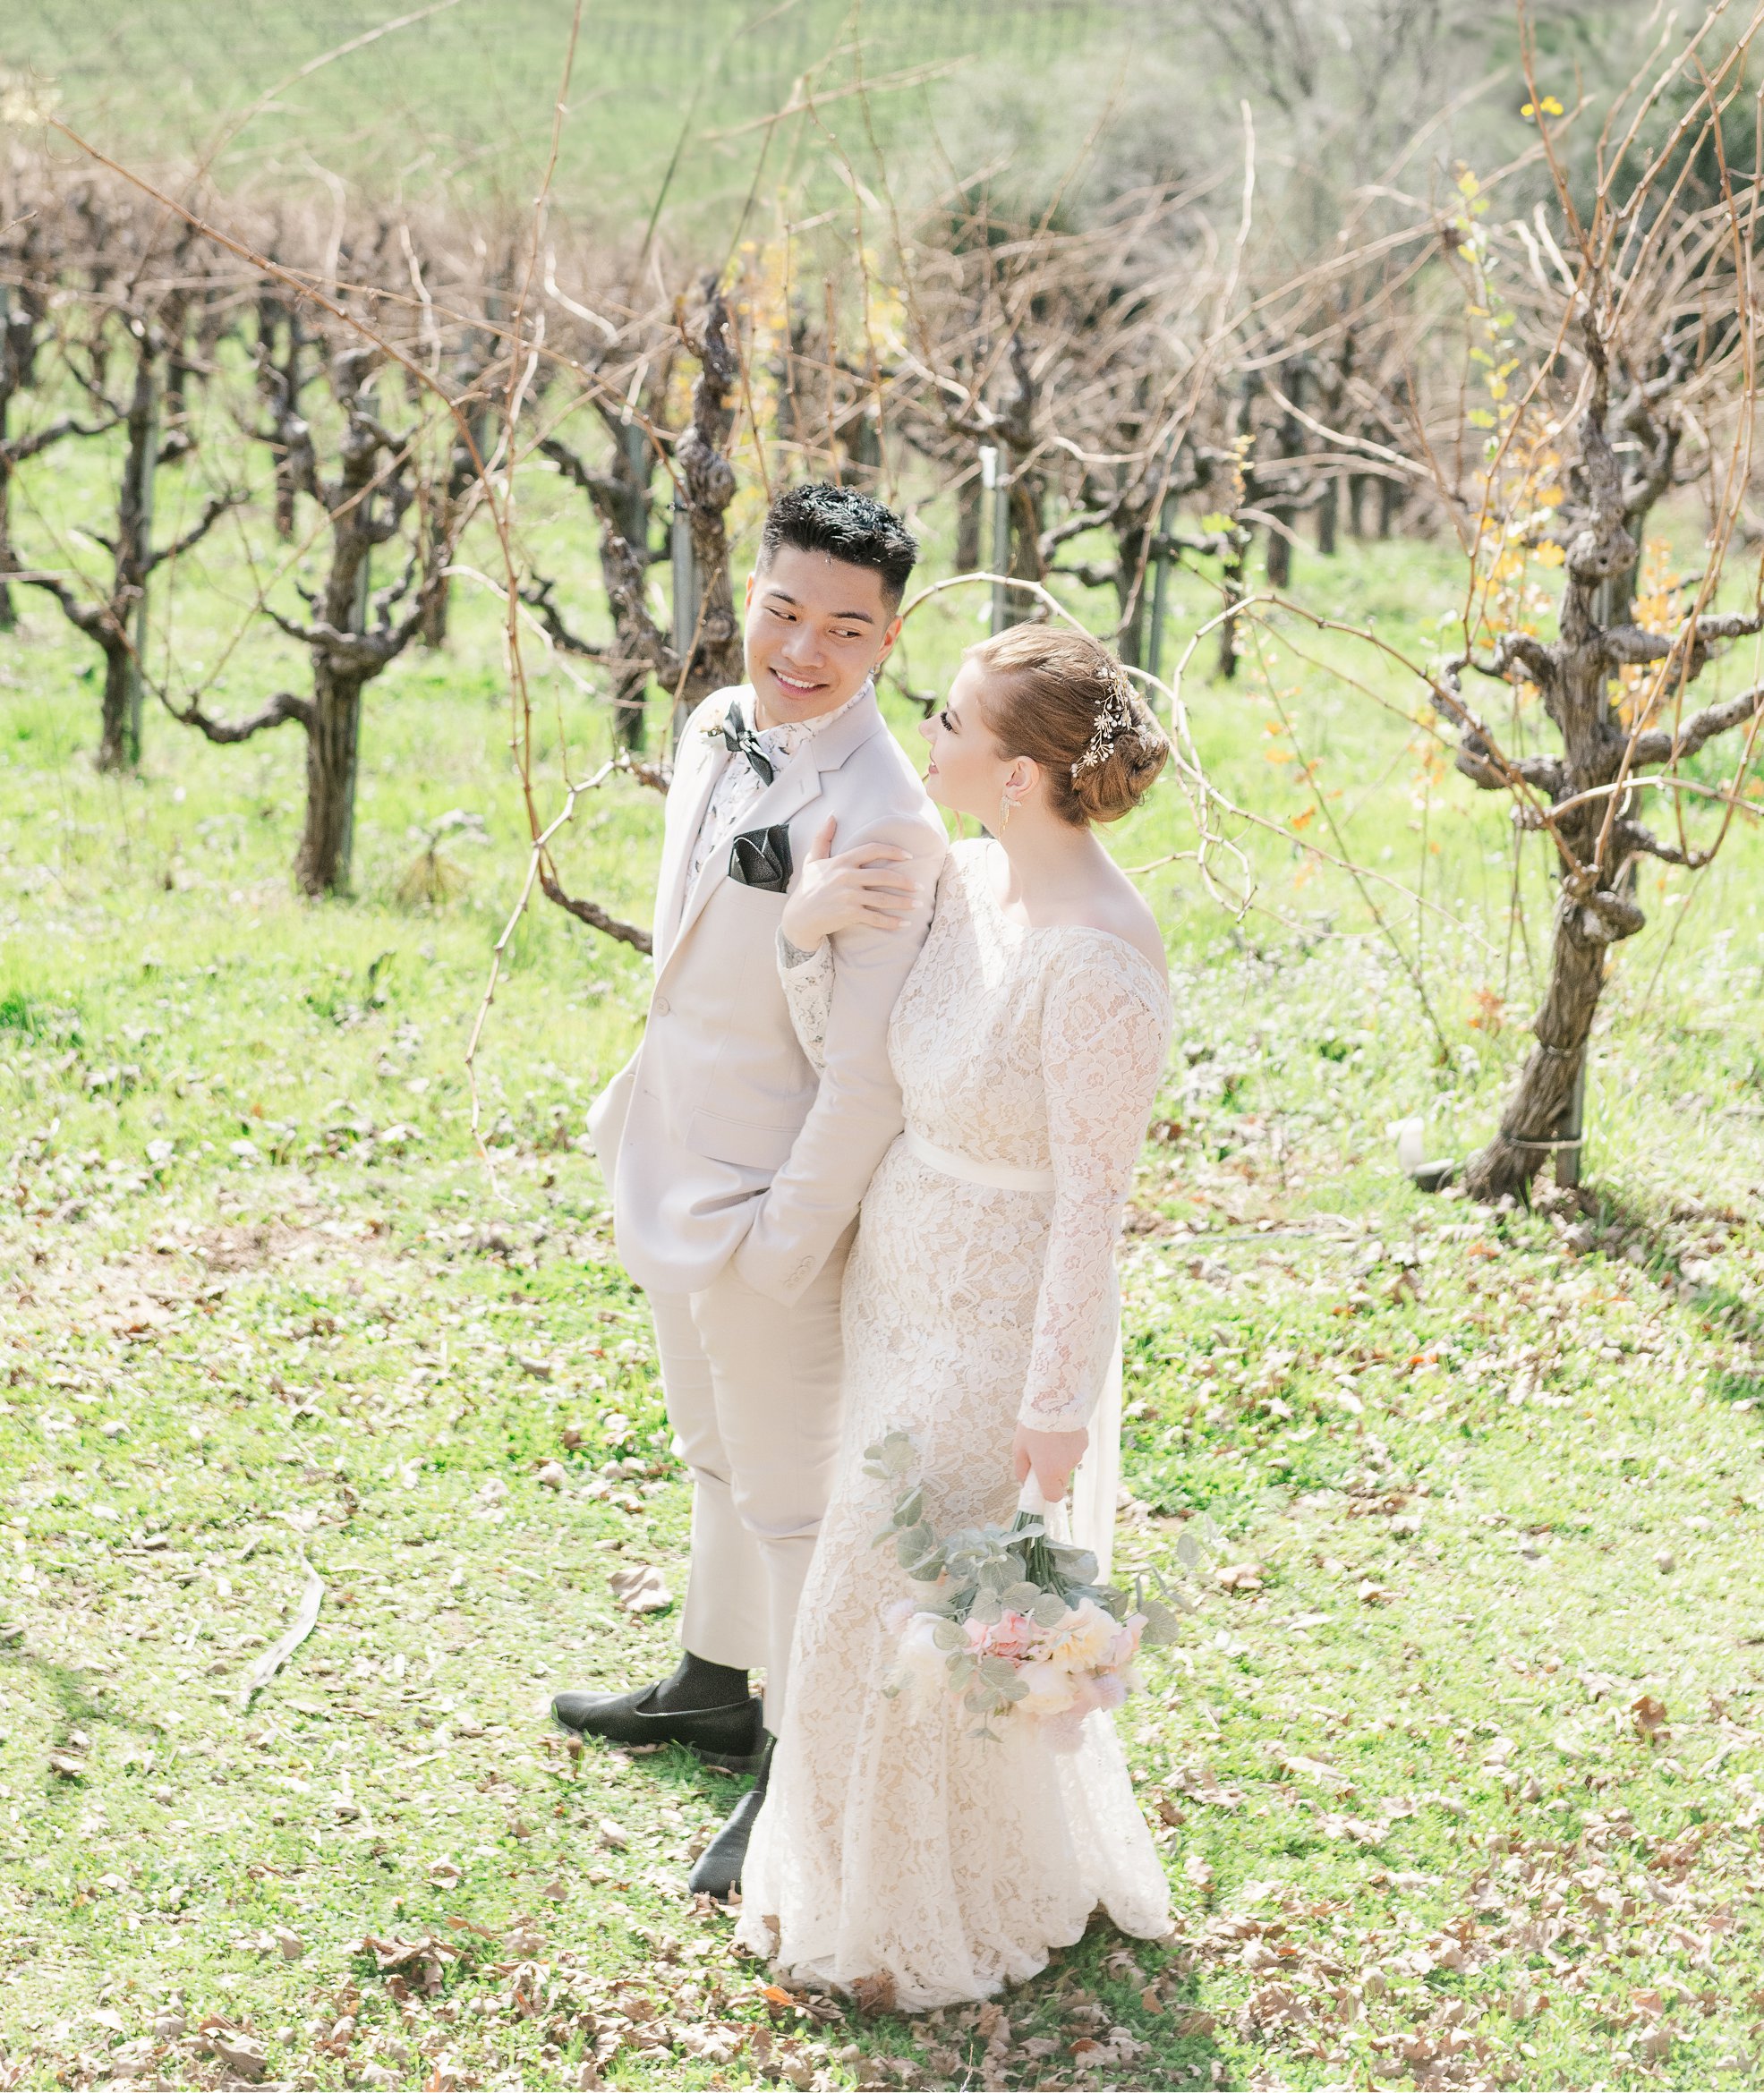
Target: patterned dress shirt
x,y
737,791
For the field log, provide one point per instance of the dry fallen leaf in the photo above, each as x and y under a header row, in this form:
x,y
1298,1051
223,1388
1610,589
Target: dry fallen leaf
x,y
641,1590
551,1474
1242,1577
1315,1769
1333,1825
422,1959
874,1995
1201,1784
245,2055
613,1835
290,1942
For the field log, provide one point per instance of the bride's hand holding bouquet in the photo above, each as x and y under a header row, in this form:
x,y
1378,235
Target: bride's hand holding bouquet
x,y
1012,1618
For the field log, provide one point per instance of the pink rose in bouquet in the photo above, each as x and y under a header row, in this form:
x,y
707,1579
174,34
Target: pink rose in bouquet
x,y
1008,1618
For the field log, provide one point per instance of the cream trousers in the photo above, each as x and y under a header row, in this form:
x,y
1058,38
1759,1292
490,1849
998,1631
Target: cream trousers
x,y
752,1392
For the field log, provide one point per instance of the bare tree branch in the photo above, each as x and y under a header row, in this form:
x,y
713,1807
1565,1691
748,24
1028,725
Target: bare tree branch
x,y
282,707
89,618
1661,744
19,449
213,510
594,914
538,595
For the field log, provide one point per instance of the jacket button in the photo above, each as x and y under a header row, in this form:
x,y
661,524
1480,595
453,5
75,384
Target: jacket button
x,y
660,1006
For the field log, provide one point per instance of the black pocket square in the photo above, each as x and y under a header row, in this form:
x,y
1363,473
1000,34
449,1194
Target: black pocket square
x,y
761,859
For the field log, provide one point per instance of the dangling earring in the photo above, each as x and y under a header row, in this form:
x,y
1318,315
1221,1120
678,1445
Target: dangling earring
x,y
1007,806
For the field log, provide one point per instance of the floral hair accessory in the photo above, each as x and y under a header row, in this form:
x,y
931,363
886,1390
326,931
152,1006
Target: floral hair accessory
x,y
1114,717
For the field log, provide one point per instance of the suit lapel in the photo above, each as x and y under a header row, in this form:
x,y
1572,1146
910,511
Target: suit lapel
x,y
835,742
793,788
788,793
694,790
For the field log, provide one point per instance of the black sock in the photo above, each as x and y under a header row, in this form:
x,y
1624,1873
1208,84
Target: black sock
x,y
697,1684
762,1779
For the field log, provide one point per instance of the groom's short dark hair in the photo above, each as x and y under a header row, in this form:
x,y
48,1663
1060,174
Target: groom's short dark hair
x,y
844,524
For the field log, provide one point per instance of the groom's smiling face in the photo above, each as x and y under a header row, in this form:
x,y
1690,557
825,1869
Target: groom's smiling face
x,y
815,628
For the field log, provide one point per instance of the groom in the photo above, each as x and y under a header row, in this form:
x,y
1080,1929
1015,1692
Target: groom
x,y
734,1177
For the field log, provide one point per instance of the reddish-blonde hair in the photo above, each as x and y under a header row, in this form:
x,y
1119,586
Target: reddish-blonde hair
x,y
1057,696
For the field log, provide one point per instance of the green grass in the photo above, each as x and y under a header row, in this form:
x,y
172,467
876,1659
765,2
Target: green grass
x,y
1497,1476
462,103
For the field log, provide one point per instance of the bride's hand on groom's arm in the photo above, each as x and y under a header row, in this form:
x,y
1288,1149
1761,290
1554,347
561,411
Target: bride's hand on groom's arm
x,y
1052,1455
860,888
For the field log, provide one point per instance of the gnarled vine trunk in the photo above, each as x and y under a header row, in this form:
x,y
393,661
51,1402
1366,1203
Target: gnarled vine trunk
x,y
711,649
355,633
1582,797
333,748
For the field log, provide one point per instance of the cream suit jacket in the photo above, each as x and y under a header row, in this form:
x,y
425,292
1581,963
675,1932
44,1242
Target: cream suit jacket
x,y
717,1139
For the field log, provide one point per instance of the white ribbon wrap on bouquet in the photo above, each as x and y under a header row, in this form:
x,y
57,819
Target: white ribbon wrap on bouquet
x,y
1096,1484
1029,1499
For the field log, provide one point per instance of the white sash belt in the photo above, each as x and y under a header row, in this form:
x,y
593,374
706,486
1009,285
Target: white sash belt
x,y
999,1175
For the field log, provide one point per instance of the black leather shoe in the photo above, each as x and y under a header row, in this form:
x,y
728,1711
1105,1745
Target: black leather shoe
x,y
717,1871
733,1736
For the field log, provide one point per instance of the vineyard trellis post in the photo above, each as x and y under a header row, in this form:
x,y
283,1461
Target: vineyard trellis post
x,y
11,376
1571,1147
1160,546
633,498
996,509
144,461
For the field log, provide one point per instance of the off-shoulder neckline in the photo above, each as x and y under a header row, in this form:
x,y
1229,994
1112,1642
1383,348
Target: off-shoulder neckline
x,y
979,853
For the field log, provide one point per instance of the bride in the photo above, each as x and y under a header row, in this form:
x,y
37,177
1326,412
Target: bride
x,y
981,1316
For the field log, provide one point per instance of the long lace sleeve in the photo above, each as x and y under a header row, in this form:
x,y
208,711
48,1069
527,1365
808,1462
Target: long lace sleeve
x,y
1106,1029
808,991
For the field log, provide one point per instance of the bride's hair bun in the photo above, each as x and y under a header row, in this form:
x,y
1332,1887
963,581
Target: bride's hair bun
x,y
1057,696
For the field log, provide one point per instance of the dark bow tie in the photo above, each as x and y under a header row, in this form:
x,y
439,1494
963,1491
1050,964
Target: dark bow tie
x,y
740,740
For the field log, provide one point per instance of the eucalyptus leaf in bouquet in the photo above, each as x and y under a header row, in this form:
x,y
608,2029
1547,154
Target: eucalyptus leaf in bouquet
x,y
1007,1619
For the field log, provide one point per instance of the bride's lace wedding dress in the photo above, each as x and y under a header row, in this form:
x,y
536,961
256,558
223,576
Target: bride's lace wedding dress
x,y
895,1847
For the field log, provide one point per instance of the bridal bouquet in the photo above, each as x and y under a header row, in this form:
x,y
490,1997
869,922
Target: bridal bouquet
x,y
1008,1619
